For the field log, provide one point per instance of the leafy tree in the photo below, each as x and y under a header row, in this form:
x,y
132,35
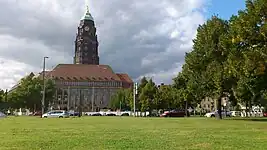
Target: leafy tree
x,y
147,96
29,93
129,97
3,101
2,95
120,100
182,92
50,91
248,59
205,65
165,97
141,85
187,90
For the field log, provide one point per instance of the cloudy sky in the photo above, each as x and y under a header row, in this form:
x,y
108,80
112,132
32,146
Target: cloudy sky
x,y
140,37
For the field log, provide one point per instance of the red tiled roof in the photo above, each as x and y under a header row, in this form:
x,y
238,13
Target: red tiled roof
x,y
85,72
124,77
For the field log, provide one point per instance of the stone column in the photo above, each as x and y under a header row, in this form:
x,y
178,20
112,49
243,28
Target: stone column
x,y
68,105
93,99
55,99
62,99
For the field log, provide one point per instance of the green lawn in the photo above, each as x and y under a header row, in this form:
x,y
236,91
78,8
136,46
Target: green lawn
x,y
32,133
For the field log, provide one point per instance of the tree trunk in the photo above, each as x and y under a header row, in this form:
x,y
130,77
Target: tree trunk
x,y
219,107
250,108
186,106
246,109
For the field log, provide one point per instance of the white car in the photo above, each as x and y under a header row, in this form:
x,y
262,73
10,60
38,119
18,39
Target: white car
x,y
2,115
56,114
215,113
235,113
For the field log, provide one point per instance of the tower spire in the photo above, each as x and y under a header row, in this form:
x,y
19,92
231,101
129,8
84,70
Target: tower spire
x,y
87,15
87,5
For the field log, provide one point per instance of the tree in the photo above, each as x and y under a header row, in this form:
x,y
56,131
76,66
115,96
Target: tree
x,y
3,101
205,64
165,97
129,97
140,87
247,62
29,93
50,91
188,89
147,96
180,84
2,95
120,100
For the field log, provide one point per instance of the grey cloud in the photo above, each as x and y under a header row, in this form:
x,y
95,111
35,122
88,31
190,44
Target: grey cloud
x,y
131,33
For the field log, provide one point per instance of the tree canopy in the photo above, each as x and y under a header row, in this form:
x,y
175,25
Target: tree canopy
x,y
28,94
228,59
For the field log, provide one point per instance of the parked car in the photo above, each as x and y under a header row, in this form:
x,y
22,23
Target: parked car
x,y
235,113
56,114
74,113
125,114
96,114
37,113
215,113
174,113
2,115
110,114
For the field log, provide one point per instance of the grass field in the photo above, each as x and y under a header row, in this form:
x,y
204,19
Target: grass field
x,y
32,133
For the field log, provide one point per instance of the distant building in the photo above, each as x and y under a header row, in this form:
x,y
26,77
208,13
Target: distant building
x,y
88,86
208,104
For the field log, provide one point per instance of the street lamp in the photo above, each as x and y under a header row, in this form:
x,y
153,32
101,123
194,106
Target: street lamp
x,y
43,99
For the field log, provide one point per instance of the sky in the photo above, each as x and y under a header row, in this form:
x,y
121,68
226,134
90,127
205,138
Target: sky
x,y
141,38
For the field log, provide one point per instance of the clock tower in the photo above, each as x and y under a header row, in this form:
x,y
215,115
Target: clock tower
x,y
86,44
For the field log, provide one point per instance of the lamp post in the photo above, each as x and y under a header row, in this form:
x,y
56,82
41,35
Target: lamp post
x,y
135,88
43,99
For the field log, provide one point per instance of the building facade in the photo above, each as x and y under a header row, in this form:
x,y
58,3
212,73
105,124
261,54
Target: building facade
x,y
87,86
209,104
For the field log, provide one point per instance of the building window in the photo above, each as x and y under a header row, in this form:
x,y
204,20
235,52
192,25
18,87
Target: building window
x,y
59,97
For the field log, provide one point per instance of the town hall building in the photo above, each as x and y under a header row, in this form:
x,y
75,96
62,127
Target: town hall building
x,y
86,83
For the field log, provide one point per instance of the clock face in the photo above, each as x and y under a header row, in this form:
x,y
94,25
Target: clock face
x,y
86,28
